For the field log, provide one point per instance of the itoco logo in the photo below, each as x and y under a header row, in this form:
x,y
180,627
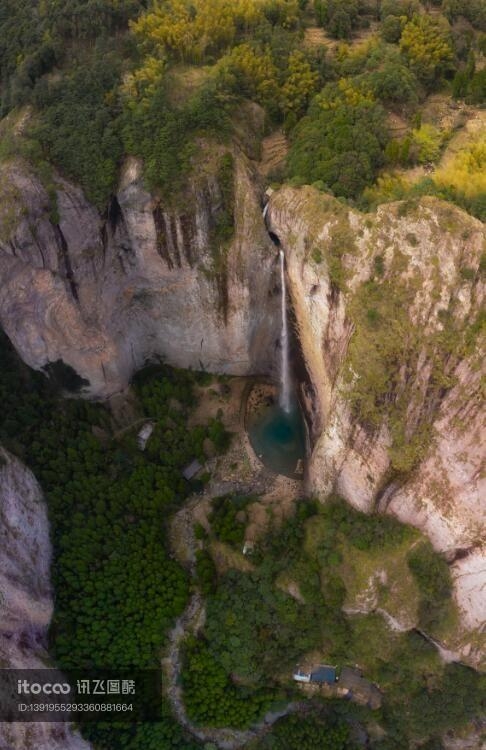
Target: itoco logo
x,y
24,687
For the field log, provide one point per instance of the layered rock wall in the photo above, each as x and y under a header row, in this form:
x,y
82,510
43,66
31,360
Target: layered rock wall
x,y
149,280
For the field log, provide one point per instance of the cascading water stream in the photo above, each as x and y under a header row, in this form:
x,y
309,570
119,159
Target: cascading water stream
x,y
277,430
284,344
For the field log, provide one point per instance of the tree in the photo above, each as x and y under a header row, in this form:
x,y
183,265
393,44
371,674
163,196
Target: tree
x,y
426,144
477,93
426,45
300,84
391,29
339,17
341,141
394,83
399,8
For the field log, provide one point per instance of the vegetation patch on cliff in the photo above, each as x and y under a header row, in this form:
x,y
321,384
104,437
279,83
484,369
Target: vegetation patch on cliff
x,y
256,634
390,352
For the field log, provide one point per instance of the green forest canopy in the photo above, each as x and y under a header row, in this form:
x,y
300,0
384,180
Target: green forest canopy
x,y
117,588
101,77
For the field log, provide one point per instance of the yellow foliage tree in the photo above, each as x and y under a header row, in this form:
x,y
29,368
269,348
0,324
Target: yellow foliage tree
x,y
252,73
426,143
139,87
300,85
167,28
466,170
426,44
190,30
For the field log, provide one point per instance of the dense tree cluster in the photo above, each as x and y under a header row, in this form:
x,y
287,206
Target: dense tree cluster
x,y
341,142
473,10
434,581
212,698
77,129
201,29
108,81
255,630
228,518
308,733
255,634
37,35
117,588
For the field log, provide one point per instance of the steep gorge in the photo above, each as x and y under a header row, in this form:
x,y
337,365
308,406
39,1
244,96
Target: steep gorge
x,y
396,411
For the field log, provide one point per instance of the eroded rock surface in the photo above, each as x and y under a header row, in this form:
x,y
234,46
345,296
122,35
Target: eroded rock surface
x,y
106,294
26,598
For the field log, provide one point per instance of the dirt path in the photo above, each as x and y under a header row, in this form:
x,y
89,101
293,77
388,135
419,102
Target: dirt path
x,y
240,472
190,622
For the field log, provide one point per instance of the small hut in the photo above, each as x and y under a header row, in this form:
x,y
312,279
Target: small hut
x,y
191,470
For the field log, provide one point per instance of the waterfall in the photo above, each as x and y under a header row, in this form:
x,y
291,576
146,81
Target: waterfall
x,y
284,344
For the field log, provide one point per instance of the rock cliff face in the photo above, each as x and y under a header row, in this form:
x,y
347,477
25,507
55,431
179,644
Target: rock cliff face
x,y
387,309
399,405
26,597
105,294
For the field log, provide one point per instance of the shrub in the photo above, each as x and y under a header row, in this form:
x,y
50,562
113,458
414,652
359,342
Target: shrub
x,y
427,46
434,581
426,144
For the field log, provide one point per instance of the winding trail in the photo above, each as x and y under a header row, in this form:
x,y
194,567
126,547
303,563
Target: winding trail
x,y
190,622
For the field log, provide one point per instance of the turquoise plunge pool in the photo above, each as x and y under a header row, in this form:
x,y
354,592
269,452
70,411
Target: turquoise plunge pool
x,y
279,437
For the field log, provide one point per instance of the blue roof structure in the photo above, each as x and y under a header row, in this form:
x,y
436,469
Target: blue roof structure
x,y
324,675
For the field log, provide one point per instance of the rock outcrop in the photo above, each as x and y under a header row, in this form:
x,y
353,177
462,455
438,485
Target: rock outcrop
x,y
26,598
388,312
150,280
